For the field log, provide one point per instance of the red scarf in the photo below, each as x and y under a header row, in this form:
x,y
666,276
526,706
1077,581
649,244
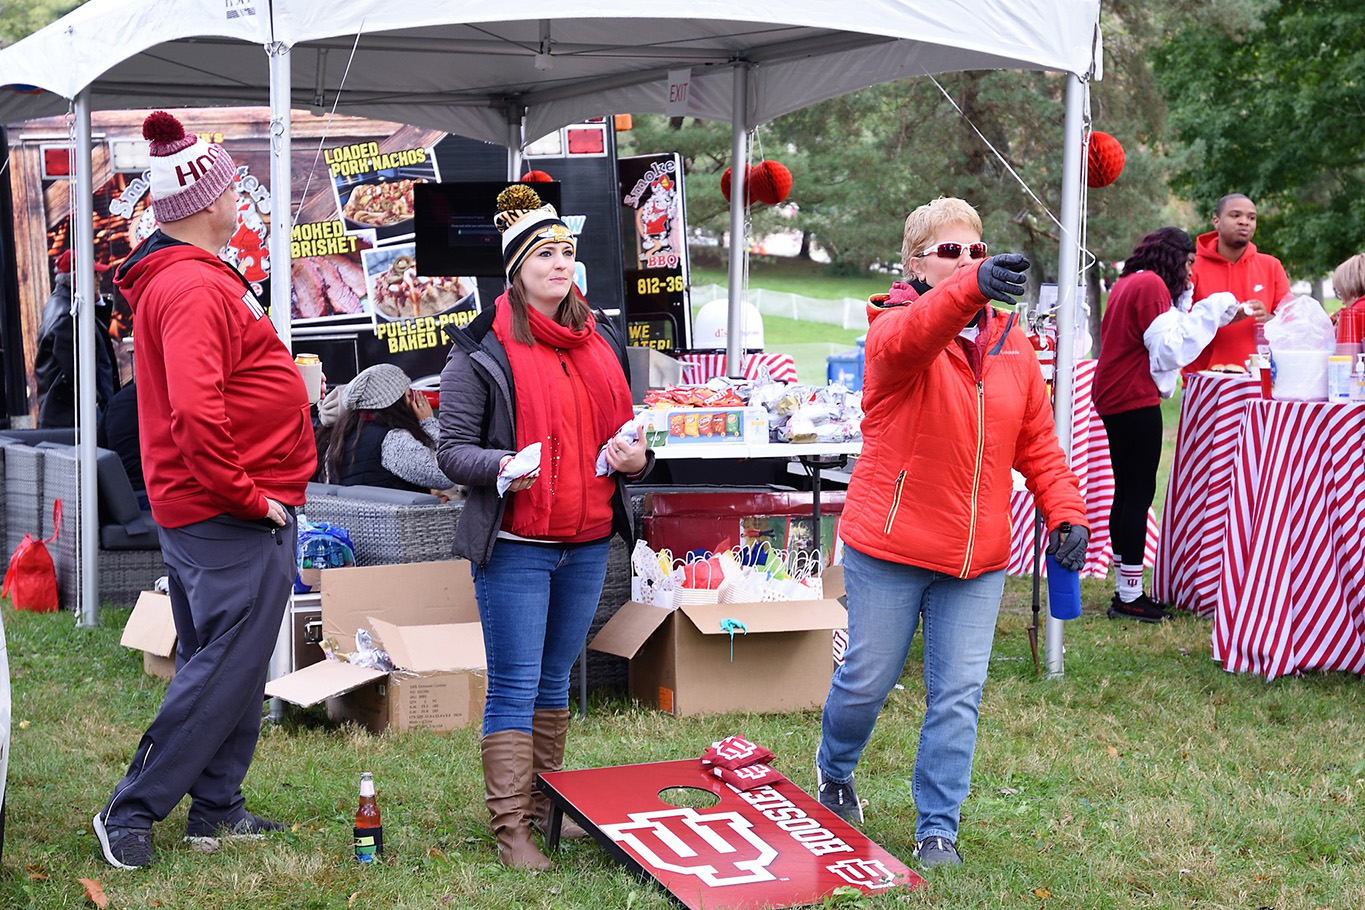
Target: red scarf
x,y
539,415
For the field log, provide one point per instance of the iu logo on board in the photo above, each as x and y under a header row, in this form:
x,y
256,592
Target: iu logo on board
x,y
720,848
866,873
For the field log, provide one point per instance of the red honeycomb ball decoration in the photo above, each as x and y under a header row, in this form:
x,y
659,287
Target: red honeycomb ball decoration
x,y
779,179
768,183
1105,160
536,177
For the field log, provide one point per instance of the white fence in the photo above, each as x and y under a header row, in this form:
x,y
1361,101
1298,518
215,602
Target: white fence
x,y
848,313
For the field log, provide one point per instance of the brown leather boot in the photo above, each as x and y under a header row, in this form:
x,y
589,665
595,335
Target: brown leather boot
x,y
549,727
507,782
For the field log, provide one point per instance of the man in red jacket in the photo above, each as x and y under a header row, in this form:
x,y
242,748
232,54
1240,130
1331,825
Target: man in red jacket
x,y
227,450
1227,260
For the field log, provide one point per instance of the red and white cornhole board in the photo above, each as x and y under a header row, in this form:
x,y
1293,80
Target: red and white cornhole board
x,y
773,846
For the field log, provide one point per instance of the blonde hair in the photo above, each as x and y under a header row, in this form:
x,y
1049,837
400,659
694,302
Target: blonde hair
x,y
924,223
1349,279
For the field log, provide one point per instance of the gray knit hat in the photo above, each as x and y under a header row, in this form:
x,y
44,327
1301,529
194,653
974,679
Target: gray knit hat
x,y
375,388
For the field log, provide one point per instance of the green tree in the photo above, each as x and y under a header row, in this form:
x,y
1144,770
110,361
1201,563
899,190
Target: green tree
x,y
1273,106
24,17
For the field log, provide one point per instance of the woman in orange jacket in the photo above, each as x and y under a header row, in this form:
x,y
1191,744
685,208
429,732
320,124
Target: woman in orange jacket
x,y
953,399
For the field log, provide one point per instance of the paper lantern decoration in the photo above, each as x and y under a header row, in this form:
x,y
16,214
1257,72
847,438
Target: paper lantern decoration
x,y
768,183
779,182
536,177
1105,160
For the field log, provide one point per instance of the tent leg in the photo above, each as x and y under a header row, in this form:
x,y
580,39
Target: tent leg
x,y
87,602
739,156
281,179
514,127
1068,275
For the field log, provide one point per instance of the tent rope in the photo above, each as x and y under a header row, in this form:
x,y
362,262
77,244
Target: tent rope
x,y
322,140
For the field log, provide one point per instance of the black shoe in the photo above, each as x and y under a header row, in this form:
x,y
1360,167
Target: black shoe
x,y
937,851
1144,609
248,827
125,848
839,798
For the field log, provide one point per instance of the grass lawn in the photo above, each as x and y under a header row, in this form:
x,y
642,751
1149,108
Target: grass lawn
x,y
795,276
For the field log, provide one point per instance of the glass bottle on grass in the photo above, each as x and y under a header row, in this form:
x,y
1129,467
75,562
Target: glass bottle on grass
x,y
369,832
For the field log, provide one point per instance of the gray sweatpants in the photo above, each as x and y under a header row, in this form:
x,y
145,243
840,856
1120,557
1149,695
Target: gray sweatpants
x,y
229,586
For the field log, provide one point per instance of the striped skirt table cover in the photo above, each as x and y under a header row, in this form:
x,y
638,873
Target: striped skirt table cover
x,y
1291,591
1090,461
1195,517
698,368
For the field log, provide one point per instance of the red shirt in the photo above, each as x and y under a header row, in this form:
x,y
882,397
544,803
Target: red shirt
x,y
223,412
1123,377
1255,275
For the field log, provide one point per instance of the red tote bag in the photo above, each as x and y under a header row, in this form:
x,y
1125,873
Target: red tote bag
x,y
31,581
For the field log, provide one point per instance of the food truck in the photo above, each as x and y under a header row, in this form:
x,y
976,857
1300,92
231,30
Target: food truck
x,y
360,293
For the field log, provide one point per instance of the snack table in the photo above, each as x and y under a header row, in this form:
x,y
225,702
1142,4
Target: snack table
x,y
815,456
1194,520
1291,587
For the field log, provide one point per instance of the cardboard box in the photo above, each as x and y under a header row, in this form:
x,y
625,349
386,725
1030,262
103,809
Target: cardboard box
x,y
680,660
426,617
151,630
705,426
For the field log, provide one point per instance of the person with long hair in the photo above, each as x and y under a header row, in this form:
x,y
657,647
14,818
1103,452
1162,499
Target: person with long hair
x,y
953,399
1147,334
539,366
386,434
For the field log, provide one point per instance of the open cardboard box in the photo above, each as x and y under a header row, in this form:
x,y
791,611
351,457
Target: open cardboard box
x,y
426,617
151,630
680,660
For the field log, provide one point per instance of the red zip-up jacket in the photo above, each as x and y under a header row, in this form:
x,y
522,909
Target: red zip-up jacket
x,y
222,410
940,435
1256,275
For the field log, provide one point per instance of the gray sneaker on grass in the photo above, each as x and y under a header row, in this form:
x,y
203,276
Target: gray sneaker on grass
x,y
839,798
124,848
937,851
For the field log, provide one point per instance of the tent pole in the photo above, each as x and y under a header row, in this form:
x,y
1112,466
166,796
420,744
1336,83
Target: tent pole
x,y
514,117
87,600
1068,276
281,182
739,156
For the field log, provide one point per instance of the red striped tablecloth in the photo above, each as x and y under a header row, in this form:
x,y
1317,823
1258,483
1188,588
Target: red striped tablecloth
x,y
1090,461
698,368
1194,519
1291,591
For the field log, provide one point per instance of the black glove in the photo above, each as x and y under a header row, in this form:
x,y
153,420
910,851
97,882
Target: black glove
x,y
1002,277
1068,543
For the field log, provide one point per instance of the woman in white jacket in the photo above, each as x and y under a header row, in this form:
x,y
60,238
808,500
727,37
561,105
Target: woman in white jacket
x,y
1148,333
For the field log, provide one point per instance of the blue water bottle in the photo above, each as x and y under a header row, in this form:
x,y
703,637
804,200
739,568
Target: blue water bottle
x,y
1063,586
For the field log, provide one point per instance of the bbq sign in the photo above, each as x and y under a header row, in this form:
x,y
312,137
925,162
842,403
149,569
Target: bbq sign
x,y
773,846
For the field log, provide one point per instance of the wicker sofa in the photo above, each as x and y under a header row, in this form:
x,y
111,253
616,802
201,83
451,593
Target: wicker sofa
x,y
41,469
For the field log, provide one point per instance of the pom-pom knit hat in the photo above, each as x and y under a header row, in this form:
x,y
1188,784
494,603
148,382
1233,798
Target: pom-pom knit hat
x,y
527,225
187,172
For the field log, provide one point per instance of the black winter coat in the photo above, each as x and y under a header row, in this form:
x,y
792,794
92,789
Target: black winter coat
x,y
478,428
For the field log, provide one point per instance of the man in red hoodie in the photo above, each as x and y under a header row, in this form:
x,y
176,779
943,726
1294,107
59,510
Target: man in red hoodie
x,y
227,450
1227,260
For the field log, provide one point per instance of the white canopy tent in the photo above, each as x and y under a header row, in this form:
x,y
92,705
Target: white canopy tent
x,y
460,68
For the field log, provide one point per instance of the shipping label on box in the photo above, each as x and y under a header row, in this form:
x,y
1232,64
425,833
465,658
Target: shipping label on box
x,y
704,426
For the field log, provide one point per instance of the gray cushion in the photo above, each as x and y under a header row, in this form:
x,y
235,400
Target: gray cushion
x,y
61,436
321,489
387,495
118,536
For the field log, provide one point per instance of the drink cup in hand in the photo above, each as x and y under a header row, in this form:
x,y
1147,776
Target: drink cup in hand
x,y
310,368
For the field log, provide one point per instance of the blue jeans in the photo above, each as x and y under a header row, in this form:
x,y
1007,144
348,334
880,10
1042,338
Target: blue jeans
x,y
536,602
887,601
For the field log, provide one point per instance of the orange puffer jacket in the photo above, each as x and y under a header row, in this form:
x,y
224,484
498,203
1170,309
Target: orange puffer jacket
x,y
932,487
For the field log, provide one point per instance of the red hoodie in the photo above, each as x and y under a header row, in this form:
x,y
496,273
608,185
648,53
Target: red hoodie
x,y
1255,275
223,414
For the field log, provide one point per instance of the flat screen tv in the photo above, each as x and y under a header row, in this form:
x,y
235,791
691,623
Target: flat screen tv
x,y
453,226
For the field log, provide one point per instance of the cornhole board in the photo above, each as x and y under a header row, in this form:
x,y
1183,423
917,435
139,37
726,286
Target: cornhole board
x,y
773,846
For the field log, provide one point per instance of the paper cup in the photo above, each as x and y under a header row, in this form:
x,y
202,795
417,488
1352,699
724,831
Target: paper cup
x,y
310,368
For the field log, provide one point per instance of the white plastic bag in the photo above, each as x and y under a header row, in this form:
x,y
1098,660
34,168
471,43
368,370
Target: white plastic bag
x,y
1301,336
527,461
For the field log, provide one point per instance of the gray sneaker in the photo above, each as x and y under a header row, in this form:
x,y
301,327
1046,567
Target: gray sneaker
x,y
839,798
125,848
937,851
207,836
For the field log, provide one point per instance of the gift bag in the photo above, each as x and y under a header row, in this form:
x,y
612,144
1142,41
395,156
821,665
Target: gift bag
x,y
321,546
31,581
